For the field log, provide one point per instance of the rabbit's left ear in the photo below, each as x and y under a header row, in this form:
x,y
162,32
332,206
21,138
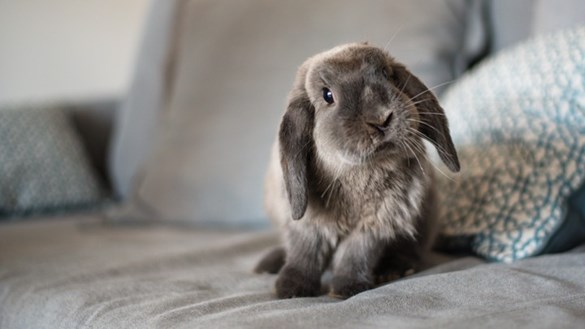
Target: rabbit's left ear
x,y
296,139
433,125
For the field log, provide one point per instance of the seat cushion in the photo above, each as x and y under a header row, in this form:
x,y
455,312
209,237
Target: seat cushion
x,y
78,272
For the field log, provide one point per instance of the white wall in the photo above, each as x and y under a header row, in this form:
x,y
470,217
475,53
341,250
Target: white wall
x,y
67,49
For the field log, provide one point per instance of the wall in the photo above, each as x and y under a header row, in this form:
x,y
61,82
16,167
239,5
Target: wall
x,y
67,49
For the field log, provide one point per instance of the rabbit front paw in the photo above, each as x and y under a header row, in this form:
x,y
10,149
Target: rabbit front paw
x,y
292,282
345,286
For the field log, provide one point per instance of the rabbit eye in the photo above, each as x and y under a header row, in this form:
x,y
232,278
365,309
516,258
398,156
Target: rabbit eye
x,y
328,96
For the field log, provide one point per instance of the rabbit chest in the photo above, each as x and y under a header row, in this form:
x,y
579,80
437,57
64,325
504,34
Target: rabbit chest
x,y
384,199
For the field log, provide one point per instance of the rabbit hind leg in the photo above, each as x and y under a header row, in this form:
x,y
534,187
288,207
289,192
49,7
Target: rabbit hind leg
x,y
272,262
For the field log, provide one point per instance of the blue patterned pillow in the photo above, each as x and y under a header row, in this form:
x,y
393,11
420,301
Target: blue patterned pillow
x,y
43,166
518,122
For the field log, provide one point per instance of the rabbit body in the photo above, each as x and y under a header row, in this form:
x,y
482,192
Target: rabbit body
x,y
349,182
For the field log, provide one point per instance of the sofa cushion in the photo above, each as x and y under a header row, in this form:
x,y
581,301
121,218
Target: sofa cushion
x,y
43,165
234,65
79,273
136,120
518,121
513,21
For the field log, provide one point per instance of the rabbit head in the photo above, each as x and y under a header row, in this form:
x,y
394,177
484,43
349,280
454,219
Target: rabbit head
x,y
352,105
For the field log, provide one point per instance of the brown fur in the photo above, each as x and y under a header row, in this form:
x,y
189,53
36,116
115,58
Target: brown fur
x,y
349,182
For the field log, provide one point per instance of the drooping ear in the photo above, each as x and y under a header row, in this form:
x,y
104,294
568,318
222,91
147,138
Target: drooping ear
x,y
296,139
433,125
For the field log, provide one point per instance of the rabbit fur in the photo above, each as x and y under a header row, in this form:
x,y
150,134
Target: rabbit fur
x,y
349,182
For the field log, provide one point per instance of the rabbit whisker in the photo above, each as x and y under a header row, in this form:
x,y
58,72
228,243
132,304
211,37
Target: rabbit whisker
x,y
331,185
428,125
420,101
393,36
436,167
432,88
414,154
327,143
396,95
302,149
441,172
433,113
336,175
419,134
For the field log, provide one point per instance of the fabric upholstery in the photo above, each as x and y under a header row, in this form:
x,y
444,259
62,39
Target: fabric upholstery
x,y
572,230
76,272
139,113
513,21
518,121
43,164
235,63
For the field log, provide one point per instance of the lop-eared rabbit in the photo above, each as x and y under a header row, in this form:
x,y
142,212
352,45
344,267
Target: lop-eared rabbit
x,y
349,182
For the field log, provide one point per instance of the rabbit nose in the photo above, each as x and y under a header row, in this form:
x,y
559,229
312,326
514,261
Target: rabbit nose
x,y
382,126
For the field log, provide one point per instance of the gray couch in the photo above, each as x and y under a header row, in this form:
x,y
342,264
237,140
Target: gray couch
x,y
162,258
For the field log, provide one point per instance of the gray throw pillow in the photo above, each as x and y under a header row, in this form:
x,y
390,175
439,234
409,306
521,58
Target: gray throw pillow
x,y
43,166
232,64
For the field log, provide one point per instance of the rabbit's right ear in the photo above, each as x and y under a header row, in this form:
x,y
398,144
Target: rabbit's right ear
x,y
296,141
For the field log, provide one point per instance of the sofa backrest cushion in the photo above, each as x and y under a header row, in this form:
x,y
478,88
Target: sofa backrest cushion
x,y
195,135
510,22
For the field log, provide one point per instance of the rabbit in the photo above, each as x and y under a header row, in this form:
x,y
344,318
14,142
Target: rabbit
x,y
349,182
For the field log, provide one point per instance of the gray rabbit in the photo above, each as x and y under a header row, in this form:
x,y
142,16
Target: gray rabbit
x,y
349,182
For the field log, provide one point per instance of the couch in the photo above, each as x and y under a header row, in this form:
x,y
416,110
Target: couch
x,y
175,247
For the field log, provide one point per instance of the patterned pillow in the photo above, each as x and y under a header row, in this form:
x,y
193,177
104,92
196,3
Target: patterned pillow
x,y
43,166
518,121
